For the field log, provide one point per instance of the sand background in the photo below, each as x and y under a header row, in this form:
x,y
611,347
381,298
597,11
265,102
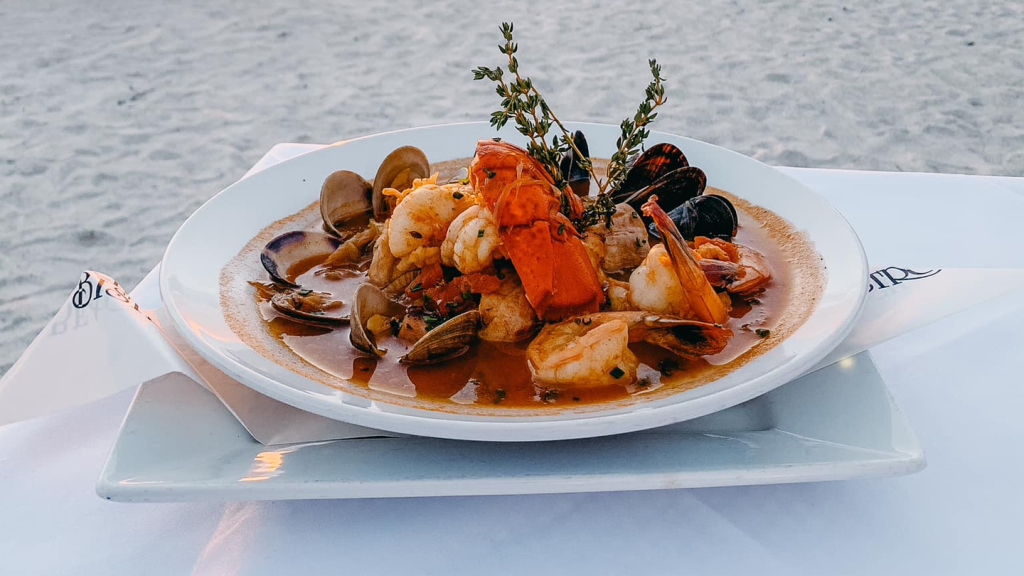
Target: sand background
x,y
118,119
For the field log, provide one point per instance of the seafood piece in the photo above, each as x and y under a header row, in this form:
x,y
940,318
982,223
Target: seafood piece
x,y
399,170
420,220
622,245
383,262
704,303
291,248
506,315
368,303
450,339
344,195
674,188
592,350
654,286
707,215
460,175
472,241
572,165
353,248
648,167
537,238
310,306
754,272
617,292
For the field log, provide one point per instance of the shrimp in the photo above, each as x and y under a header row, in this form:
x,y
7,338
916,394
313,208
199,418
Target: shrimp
x,y
545,248
593,350
624,244
704,303
420,221
654,287
506,315
472,241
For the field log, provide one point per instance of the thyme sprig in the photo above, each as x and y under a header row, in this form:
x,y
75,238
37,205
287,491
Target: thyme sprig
x,y
523,104
634,131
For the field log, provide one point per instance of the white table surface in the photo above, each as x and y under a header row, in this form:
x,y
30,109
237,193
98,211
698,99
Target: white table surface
x,y
958,381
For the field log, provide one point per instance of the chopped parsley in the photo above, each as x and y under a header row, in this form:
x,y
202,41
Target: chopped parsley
x,y
763,332
667,366
617,372
561,228
305,292
479,233
490,173
416,287
457,195
499,395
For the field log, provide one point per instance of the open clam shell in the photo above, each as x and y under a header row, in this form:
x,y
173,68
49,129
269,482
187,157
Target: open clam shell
x,y
344,196
398,170
369,301
291,304
290,248
447,341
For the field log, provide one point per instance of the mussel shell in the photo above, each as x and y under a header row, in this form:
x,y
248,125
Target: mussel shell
x,y
344,196
575,174
283,303
672,189
367,302
649,167
398,170
290,248
707,215
447,341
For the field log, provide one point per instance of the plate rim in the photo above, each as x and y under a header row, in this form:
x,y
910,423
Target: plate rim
x,y
498,428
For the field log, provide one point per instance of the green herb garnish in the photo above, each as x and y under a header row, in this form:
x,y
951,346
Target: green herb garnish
x,y
457,195
617,372
416,287
763,332
522,103
479,233
499,395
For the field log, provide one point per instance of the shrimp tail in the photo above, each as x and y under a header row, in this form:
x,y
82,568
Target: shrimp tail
x,y
704,302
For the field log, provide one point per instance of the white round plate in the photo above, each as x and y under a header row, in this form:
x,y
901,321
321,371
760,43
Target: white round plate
x,y
189,285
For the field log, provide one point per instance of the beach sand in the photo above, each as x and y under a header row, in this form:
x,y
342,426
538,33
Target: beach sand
x,y
118,119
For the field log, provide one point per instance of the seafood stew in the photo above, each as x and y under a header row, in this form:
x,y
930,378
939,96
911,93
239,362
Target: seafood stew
x,y
524,278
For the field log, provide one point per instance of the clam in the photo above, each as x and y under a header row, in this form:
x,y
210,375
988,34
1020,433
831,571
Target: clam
x,y
460,175
369,302
577,176
447,341
344,195
398,170
310,306
291,248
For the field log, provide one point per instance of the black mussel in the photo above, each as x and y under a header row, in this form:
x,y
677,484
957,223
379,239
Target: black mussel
x,y
707,215
672,189
650,166
575,174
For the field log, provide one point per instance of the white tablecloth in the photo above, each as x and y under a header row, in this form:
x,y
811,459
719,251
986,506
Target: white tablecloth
x,y
958,381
